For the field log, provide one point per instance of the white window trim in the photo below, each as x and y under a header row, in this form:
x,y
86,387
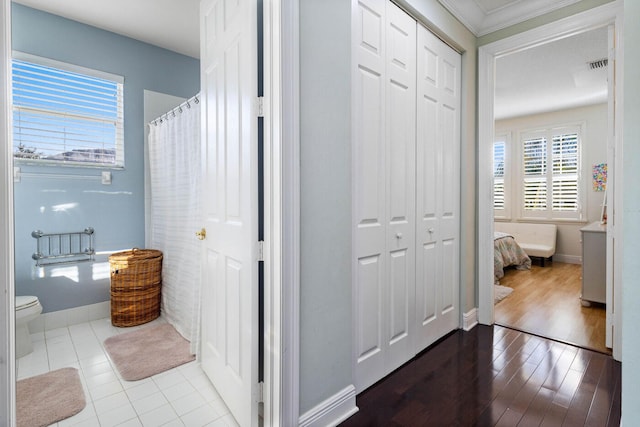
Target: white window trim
x,y
120,146
41,60
549,215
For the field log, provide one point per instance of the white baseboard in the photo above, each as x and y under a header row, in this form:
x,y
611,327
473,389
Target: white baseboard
x,y
569,259
69,317
470,319
332,411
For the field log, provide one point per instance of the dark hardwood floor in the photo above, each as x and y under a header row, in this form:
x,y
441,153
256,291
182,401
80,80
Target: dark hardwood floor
x,y
495,376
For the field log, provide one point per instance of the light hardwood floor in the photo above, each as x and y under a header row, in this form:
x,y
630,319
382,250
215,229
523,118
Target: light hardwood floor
x,y
546,301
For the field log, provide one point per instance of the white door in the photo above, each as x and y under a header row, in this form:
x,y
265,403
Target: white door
x,y
438,189
384,187
229,150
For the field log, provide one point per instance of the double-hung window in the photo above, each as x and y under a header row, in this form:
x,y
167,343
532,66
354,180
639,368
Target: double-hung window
x,y
64,114
550,160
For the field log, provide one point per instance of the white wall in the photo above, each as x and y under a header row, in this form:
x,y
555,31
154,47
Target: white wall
x,y
594,150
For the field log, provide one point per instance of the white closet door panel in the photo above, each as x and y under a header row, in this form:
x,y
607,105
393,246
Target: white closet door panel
x,y
369,126
448,292
370,149
449,174
398,325
400,184
370,29
450,212
426,295
369,99
369,297
438,191
429,164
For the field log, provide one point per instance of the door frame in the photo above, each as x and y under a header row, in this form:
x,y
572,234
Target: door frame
x,y
282,212
610,13
7,304
282,217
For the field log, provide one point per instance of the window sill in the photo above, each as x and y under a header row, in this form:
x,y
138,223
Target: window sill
x,y
58,164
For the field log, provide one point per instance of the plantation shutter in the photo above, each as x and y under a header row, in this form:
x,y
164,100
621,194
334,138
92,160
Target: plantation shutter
x,y
565,172
498,175
535,174
65,116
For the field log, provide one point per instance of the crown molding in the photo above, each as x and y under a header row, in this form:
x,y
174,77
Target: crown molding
x,y
481,22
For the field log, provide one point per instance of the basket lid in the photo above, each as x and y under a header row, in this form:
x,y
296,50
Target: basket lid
x,y
135,254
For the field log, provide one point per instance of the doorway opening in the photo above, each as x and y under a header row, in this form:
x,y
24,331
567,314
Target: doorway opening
x,y
489,56
550,135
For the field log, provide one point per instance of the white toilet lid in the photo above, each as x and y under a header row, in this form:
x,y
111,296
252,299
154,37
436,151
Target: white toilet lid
x,y
26,301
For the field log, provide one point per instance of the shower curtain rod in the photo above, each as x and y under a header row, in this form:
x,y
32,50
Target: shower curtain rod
x,y
180,108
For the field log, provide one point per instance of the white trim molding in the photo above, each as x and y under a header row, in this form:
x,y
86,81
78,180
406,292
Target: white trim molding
x,y
331,411
289,211
470,319
610,13
7,291
481,21
282,212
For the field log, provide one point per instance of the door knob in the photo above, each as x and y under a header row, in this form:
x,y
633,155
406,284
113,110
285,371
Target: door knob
x,y
398,235
202,234
431,230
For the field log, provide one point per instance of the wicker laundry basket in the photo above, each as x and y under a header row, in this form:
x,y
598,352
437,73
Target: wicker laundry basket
x,y
136,282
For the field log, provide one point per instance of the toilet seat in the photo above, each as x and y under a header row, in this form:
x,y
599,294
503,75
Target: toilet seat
x,y
26,301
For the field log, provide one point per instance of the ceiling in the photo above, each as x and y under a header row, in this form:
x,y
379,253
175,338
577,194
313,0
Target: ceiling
x,y
170,24
553,76
548,77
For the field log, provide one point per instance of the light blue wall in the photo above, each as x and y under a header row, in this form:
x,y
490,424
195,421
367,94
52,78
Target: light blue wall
x,y
631,217
115,211
325,200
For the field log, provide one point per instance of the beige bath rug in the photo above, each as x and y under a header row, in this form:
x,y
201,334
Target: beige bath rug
x,y
148,351
48,398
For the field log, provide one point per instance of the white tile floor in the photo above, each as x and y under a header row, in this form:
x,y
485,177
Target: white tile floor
x,y
182,396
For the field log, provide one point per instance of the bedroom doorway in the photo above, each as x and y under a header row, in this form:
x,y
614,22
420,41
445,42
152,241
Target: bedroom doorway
x,y
565,266
555,115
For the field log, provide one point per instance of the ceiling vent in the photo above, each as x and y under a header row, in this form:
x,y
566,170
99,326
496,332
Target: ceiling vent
x,y
599,63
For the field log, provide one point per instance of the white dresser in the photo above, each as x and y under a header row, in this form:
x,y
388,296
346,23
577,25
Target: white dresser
x,y
594,263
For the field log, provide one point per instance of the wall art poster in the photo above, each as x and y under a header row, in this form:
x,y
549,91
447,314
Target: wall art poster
x,y
599,177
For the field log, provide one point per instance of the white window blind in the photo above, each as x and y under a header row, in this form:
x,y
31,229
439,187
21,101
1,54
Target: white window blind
x,y
63,116
551,173
498,175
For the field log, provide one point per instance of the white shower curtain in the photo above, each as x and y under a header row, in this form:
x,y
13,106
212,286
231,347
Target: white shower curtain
x,y
174,170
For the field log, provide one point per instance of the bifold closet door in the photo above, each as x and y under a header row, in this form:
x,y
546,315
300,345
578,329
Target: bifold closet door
x,y
384,189
438,189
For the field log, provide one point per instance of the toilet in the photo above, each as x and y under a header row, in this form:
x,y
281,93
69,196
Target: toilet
x,y
27,309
